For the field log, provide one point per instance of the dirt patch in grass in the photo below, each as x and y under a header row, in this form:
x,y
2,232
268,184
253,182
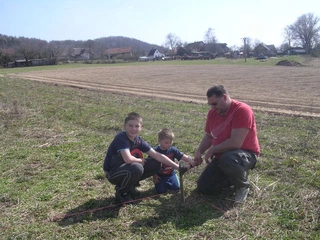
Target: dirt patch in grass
x,y
289,63
267,88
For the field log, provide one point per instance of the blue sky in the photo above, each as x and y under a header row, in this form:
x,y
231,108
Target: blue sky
x,y
151,20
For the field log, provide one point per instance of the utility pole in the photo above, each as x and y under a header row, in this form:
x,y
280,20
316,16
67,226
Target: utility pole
x,y
245,42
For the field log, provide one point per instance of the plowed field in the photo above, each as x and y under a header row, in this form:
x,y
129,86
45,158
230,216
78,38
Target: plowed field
x,y
291,90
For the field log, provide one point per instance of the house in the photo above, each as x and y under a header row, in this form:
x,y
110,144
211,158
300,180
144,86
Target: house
x,y
196,46
22,63
295,51
265,50
214,49
79,53
7,52
112,52
155,54
41,62
221,49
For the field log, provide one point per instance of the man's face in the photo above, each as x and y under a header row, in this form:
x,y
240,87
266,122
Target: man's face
x,y
218,104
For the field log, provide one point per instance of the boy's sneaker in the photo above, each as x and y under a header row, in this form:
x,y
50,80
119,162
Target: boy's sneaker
x,y
241,195
134,192
123,198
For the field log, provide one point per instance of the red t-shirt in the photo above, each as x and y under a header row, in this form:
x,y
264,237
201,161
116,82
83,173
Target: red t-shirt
x,y
240,115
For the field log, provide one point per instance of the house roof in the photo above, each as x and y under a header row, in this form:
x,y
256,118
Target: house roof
x,y
78,51
263,46
8,51
271,47
267,47
152,51
198,46
114,51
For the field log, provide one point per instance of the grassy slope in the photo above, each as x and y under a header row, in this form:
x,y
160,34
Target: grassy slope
x,y
53,142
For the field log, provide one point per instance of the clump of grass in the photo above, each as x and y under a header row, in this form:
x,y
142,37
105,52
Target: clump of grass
x,y
53,142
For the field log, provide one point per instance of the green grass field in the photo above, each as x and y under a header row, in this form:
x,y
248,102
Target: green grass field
x,y
250,61
53,142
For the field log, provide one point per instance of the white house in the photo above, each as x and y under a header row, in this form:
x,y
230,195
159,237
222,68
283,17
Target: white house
x,y
155,54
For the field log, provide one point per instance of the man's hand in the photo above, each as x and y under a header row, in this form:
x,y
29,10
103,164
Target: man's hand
x,y
197,158
198,161
209,154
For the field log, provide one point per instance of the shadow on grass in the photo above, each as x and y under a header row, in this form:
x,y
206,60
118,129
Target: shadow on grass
x,y
195,211
92,210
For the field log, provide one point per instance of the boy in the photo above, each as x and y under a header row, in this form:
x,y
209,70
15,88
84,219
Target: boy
x,y
167,178
124,166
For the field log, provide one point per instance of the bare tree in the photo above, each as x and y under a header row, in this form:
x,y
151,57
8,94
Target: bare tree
x,y
306,31
56,50
209,36
90,45
172,41
288,35
246,47
28,48
210,40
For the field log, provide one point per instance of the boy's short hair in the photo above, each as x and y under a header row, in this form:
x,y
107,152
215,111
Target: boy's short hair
x,y
165,133
133,116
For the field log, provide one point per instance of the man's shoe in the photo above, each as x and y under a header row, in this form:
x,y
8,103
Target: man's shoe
x,y
134,192
123,198
241,195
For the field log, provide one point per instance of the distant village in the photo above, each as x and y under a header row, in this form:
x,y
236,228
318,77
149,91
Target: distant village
x,y
29,53
193,51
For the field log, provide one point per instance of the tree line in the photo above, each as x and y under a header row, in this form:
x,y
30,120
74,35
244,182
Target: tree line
x,y
13,48
304,32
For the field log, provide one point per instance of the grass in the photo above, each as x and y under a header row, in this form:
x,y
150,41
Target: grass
x,y
249,62
53,142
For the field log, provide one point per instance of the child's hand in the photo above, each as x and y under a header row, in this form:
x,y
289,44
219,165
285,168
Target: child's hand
x,y
156,179
143,161
191,163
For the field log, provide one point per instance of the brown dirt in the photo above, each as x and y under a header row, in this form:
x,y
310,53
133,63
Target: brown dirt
x,y
289,63
281,89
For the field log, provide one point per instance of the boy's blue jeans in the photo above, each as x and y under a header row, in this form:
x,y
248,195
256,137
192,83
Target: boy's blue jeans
x,y
230,169
170,182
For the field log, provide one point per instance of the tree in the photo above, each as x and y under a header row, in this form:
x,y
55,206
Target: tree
x,y
209,36
172,41
89,44
210,40
288,35
56,50
28,48
246,47
306,31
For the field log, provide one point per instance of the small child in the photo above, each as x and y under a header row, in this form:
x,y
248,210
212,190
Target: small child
x,y
124,164
167,178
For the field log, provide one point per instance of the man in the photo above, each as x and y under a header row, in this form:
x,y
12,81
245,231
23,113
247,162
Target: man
x,y
230,142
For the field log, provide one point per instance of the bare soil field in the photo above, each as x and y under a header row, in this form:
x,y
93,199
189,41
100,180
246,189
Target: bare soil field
x,y
280,89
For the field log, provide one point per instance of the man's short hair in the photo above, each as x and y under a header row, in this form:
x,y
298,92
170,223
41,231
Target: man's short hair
x,y
217,90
